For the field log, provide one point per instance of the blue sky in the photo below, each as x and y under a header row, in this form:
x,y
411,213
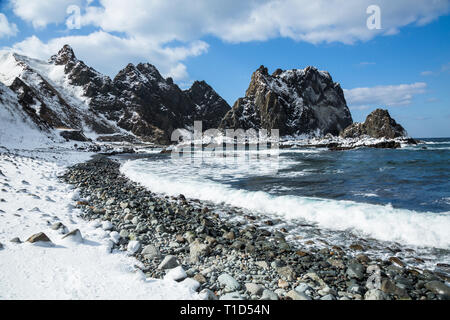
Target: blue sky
x,y
404,67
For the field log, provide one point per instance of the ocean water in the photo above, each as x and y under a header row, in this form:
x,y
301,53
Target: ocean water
x,y
397,196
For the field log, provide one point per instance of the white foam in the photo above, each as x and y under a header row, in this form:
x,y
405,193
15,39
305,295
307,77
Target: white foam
x,y
369,195
436,142
382,222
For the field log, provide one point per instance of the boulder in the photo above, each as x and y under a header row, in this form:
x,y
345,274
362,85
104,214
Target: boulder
x,y
39,237
295,295
74,236
254,288
355,270
169,262
438,287
198,250
75,135
151,252
378,124
228,282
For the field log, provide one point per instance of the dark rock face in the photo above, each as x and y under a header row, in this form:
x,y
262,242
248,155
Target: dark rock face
x,y
141,101
378,124
381,145
154,106
74,135
49,105
44,118
99,88
295,102
140,104
209,106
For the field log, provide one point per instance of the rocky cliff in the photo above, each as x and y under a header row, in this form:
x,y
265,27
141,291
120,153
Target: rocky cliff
x,y
297,102
378,124
210,107
138,104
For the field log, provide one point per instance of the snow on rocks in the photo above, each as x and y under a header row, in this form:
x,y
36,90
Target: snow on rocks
x,y
77,266
115,237
74,236
133,247
207,294
169,262
107,225
176,274
190,283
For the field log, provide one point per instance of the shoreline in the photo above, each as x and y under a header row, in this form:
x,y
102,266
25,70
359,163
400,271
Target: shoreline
x,y
48,252
230,260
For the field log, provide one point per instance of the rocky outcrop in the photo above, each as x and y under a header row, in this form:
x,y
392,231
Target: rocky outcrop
x,y
210,108
74,135
140,100
97,87
47,95
295,101
139,104
154,106
378,124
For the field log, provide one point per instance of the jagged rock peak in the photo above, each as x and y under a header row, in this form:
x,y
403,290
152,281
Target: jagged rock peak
x,y
378,124
200,85
148,68
210,107
263,70
64,56
143,72
297,102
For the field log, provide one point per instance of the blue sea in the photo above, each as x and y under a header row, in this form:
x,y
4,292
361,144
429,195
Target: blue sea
x,y
395,197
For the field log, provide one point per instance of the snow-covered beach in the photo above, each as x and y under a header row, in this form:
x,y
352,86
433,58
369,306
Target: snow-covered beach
x,y
34,200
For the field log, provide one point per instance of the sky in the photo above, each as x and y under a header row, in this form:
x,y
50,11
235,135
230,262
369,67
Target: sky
x,y
388,54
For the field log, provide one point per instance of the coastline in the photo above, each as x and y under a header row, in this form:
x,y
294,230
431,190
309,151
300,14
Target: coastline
x,y
48,252
232,260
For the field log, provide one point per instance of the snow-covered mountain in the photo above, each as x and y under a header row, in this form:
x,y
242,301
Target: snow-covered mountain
x,y
64,97
19,124
297,102
46,87
138,104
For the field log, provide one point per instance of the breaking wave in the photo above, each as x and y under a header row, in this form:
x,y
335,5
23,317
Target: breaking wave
x,y
382,222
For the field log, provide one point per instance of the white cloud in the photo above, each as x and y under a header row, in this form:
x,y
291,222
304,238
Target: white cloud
x,y
109,53
426,73
7,29
41,13
443,69
365,64
390,96
242,21
146,29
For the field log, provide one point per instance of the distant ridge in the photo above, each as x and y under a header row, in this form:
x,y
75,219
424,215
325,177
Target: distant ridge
x,y
139,104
